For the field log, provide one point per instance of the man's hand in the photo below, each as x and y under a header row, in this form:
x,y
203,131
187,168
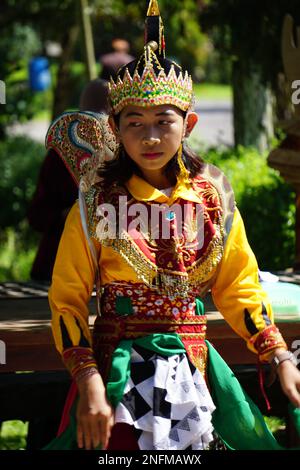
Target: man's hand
x,y
95,417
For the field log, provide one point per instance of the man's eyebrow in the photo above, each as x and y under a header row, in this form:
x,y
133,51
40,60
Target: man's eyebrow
x,y
165,113
162,113
133,113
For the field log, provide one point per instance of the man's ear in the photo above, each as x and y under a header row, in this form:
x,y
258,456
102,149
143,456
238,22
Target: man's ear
x,y
190,122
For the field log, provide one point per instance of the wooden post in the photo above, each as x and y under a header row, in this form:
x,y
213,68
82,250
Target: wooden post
x,y
61,99
88,40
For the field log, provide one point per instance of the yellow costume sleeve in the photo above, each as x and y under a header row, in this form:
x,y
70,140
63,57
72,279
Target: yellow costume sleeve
x,y
69,294
239,296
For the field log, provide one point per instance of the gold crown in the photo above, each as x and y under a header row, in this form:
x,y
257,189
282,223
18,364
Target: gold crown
x,y
153,86
152,89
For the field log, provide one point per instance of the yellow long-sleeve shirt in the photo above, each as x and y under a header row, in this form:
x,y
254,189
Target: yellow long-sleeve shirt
x,y
236,290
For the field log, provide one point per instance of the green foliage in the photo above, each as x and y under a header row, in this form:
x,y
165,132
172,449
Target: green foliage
x,y
249,29
217,68
212,91
20,160
50,19
185,38
266,202
278,427
77,83
13,435
18,44
18,249
25,27
25,43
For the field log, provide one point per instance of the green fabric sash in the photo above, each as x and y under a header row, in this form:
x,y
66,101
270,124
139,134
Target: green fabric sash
x,y
68,439
237,420
165,344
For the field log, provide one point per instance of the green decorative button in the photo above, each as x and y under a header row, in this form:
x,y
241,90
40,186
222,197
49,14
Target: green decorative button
x,y
123,305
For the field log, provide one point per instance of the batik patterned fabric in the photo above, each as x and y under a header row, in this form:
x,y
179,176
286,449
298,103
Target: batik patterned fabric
x,y
167,401
165,397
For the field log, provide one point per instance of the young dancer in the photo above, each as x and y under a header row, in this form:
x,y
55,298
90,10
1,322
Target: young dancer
x,y
155,228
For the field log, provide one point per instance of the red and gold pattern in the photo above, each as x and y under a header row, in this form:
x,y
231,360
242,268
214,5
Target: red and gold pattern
x,y
79,361
83,140
177,264
268,340
151,313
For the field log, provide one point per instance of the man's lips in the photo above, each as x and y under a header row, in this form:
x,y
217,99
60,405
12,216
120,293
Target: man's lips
x,y
152,154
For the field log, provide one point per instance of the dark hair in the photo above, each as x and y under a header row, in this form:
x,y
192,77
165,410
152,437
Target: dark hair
x,y
122,168
94,97
139,65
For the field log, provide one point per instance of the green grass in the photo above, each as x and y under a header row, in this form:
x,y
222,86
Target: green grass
x,y
43,115
278,428
213,91
13,435
274,423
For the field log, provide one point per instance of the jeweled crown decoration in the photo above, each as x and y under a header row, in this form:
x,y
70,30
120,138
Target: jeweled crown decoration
x,y
152,88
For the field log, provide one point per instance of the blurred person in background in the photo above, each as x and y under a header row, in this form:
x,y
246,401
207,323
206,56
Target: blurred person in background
x,y
112,61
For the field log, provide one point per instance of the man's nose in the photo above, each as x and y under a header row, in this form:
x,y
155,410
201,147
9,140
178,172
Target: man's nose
x,y
151,140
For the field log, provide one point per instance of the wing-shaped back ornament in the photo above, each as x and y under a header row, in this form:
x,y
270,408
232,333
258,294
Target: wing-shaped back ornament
x,y
84,140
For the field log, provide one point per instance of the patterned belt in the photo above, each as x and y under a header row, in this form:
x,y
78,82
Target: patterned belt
x,y
130,311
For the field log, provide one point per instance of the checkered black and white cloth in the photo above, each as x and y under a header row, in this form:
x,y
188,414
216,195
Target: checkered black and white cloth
x,y
166,399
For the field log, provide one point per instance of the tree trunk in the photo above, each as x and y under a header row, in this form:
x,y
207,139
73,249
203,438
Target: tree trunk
x,y
252,106
62,91
88,40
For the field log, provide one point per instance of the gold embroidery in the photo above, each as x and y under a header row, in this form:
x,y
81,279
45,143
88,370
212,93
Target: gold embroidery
x,y
170,281
165,279
198,356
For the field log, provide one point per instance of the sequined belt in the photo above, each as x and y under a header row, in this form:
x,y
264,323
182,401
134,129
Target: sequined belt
x,y
130,311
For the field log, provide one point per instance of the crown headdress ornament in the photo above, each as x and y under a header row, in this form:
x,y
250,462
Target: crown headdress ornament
x,y
152,80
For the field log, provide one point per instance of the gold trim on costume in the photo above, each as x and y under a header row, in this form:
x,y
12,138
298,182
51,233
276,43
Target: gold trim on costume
x,y
198,355
153,9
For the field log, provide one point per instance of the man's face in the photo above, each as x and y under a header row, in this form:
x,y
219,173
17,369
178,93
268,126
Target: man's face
x,y
151,136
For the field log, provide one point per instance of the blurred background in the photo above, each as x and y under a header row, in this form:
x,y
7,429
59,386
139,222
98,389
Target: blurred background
x,y
50,50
